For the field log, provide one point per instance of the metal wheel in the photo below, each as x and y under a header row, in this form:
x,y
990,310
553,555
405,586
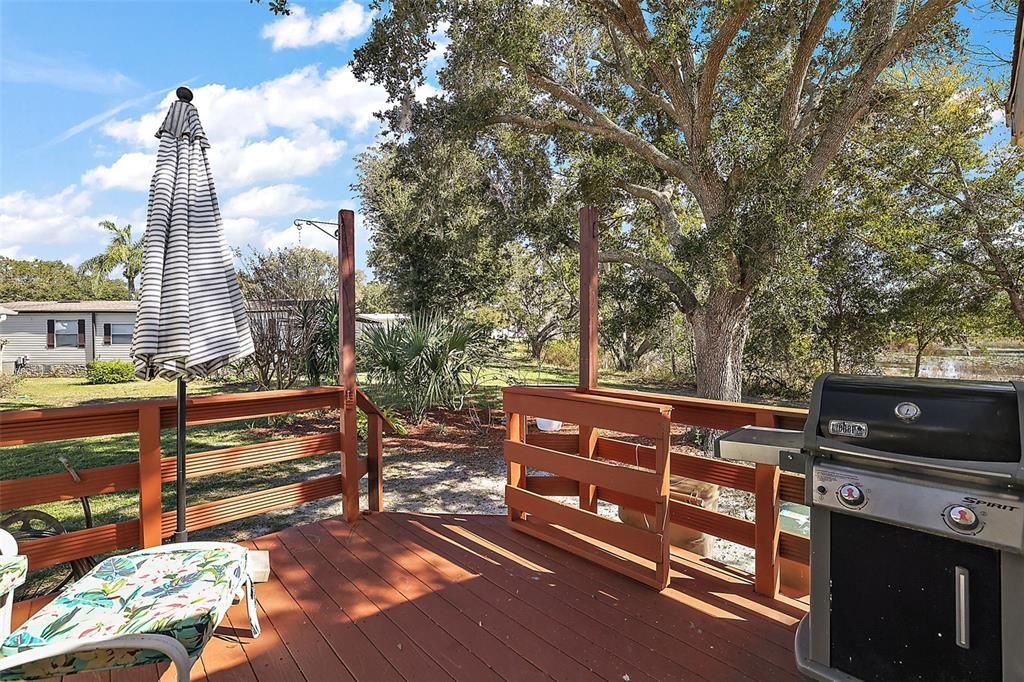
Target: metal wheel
x,y
32,524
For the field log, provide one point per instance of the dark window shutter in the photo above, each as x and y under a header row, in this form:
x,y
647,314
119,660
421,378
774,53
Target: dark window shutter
x,y
81,333
106,334
51,336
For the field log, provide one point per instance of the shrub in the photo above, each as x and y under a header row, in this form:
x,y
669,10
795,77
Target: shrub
x,y
9,385
109,372
426,361
562,353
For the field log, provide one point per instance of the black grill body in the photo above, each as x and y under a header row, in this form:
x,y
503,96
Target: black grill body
x,y
916,489
957,420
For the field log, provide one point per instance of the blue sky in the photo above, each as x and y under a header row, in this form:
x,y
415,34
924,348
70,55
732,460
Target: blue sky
x,y
84,85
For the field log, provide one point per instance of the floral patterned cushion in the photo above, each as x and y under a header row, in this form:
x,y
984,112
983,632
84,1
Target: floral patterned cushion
x,y
13,569
181,593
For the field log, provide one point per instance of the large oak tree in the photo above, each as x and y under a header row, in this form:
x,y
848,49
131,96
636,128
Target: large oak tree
x,y
734,110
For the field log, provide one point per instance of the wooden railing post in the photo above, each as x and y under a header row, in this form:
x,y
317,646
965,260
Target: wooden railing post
x,y
150,508
347,361
515,425
588,339
767,566
375,461
662,467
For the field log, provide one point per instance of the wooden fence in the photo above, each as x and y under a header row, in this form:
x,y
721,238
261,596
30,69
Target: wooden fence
x,y
151,470
619,412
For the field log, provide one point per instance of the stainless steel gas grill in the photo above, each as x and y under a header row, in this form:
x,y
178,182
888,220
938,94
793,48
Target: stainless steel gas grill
x,y
916,489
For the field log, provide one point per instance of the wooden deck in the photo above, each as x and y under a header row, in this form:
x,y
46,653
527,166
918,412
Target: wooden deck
x,y
430,597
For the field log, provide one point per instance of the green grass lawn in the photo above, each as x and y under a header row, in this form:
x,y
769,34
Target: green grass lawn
x,y
37,392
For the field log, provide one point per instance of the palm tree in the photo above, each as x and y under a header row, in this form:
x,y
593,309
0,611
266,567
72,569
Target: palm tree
x,y
120,252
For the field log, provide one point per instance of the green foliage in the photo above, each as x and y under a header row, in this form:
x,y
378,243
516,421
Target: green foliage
x,y
562,353
426,361
434,239
50,280
122,252
540,300
9,385
635,311
109,372
290,296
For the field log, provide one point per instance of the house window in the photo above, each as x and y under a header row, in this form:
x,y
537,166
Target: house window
x,y
65,333
120,334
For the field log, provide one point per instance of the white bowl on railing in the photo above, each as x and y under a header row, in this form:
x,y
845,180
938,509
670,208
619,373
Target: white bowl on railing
x,y
548,424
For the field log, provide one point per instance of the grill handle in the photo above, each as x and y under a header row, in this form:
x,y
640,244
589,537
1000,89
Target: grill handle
x,y
962,589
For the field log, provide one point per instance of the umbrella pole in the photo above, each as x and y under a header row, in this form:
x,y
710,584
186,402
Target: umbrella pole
x,y
180,534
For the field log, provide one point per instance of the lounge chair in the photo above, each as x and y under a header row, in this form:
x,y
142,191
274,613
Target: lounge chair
x,y
151,606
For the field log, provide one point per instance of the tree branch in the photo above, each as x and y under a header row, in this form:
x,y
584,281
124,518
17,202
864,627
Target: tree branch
x,y
609,129
683,294
854,104
809,40
662,201
710,68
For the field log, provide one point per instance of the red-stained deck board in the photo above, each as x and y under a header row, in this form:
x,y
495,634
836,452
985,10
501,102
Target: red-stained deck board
x,y
434,597
446,651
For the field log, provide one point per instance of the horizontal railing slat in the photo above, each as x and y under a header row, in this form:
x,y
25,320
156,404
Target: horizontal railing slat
x,y
22,492
236,406
80,543
639,482
713,414
720,472
257,502
643,543
248,456
553,486
564,404
563,442
18,427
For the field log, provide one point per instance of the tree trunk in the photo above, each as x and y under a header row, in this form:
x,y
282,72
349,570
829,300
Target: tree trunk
x,y
131,286
917,359
720,329
536,344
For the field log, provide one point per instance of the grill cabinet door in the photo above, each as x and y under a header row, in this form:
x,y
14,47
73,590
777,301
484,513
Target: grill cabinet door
x,y
894,605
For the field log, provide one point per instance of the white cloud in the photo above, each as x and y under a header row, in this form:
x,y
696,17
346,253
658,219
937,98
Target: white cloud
x,y
278,159
294,101
347,20
272,132
273,200
132,171
27,219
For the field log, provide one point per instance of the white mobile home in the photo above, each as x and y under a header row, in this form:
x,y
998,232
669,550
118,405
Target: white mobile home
x,y
62,336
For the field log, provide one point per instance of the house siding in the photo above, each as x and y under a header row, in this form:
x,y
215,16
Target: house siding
x,y
113,351
26,335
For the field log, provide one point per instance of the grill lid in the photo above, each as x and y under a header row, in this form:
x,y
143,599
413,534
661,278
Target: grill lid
x,y
974,421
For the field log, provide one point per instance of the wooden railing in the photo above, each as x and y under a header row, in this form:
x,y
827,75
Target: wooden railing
x,y
576,472
766,482
151,470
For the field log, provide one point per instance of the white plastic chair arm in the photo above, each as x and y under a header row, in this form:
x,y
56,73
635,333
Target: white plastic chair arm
x,y
164,644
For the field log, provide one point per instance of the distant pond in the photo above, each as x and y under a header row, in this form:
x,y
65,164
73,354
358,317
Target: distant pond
x,y
994,367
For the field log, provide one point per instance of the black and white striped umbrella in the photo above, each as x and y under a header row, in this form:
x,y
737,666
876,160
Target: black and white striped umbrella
x,y
191,319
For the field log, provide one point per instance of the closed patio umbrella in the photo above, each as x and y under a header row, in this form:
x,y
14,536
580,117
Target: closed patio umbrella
x,y
191,319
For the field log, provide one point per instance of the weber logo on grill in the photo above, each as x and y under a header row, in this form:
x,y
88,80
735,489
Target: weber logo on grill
x,y
847,429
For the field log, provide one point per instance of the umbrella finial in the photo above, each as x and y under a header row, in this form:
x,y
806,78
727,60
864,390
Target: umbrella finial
x,y
184,94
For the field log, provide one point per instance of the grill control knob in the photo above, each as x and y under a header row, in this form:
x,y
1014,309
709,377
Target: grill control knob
x,y
962,519
850,495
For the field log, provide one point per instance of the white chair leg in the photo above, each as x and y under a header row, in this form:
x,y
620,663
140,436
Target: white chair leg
x,y
250,607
